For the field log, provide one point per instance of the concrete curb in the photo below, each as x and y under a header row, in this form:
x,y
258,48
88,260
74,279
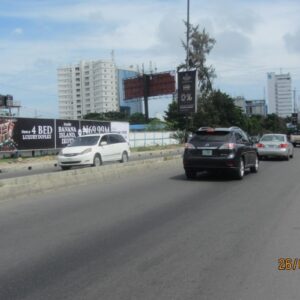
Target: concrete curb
x,y
37,165
27,185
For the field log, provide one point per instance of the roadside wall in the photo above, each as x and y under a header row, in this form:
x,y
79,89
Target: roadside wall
x,y
151,138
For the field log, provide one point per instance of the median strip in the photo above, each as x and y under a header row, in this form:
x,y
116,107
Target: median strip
x,y
13,187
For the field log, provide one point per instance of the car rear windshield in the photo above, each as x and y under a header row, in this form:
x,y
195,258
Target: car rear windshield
x,y
211,136
84,141
272,138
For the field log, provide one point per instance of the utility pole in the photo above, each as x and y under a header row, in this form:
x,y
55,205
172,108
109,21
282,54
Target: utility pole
x,y
188,36
146,78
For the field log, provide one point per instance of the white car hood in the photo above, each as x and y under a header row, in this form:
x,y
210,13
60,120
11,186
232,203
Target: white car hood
x,y
75,150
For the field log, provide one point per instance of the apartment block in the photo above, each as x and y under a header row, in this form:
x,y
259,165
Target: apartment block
x,y
87,87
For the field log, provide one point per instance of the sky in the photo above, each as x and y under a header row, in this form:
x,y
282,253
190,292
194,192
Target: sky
x,y
253,37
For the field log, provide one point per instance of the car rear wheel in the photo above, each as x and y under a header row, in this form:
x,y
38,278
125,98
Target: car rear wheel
x,y
287,157
254,169
240,172
190,174
97,161
124,158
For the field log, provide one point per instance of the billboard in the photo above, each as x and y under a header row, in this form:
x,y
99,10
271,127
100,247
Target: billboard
x,y
187,100
37,134
149,85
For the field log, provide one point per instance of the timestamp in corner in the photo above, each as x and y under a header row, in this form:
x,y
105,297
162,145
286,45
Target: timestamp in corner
x,y
288,264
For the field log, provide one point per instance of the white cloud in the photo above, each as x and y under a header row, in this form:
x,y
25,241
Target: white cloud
x,y
18,31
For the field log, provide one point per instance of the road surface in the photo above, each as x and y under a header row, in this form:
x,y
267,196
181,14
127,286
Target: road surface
x,y
157,236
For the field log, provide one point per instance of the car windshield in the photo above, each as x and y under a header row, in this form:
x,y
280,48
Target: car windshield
x,y
211,136
84,141
272,138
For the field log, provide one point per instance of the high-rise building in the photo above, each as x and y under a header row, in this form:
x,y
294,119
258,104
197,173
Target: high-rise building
x,y
87,87
280,100
134,105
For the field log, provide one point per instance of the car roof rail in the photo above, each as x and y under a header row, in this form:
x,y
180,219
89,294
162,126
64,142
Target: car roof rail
x,y
234,127
205,128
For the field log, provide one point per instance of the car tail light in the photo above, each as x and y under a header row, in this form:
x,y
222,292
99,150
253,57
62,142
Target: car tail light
x,y
228,146
283,145
260,145
189,146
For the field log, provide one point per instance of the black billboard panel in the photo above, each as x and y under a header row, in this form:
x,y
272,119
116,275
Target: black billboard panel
x,y
90,127
66,132
295,118
33,133
187,102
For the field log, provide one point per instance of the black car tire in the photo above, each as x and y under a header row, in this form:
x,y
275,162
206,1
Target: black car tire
x,y
190,174
97,161
124,158
239,173
254,169
64,168
292,155
287,157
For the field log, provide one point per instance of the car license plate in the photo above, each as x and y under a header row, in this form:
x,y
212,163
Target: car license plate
x,y
271,146
206,152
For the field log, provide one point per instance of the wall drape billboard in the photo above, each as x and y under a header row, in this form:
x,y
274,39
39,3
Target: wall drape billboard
x,y
35,134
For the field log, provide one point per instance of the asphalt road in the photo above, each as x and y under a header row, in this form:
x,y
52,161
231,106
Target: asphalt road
x,y
156,236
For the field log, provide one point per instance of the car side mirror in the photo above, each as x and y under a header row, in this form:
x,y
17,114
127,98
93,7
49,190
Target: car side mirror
x,y
103,143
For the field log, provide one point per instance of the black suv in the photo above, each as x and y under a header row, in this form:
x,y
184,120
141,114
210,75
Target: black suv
x,y
212,149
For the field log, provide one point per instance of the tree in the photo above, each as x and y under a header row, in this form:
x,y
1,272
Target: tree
x,y
107,116
175,119
199,48
273,123
137,118
218,110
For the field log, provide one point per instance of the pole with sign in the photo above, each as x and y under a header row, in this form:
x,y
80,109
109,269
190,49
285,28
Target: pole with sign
x,y
187,100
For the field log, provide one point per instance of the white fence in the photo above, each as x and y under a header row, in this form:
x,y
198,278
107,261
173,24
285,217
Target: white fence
x,y
151,138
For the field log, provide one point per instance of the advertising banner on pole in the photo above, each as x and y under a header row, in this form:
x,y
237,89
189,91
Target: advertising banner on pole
x,y
187,100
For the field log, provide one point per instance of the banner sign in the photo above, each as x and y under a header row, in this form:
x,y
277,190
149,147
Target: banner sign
x,y
34,134
121,128
91,127
187,100
23,133
66,132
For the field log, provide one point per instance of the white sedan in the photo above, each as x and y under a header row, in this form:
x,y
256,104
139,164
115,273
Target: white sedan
x,y
275,145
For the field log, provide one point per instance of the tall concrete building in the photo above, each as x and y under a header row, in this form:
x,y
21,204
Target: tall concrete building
x,y
280,100
134,105
87,87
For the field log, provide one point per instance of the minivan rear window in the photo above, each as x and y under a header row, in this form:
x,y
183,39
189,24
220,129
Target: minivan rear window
x,y
211,136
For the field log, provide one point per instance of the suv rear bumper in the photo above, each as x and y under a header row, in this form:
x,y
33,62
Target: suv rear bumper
x,y
213,163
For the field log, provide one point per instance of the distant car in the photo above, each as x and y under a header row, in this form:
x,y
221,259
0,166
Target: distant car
x,y
212,149
94,149
275,145
295,138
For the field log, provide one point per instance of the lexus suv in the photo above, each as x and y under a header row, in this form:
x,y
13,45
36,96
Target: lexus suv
x,y
211,149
